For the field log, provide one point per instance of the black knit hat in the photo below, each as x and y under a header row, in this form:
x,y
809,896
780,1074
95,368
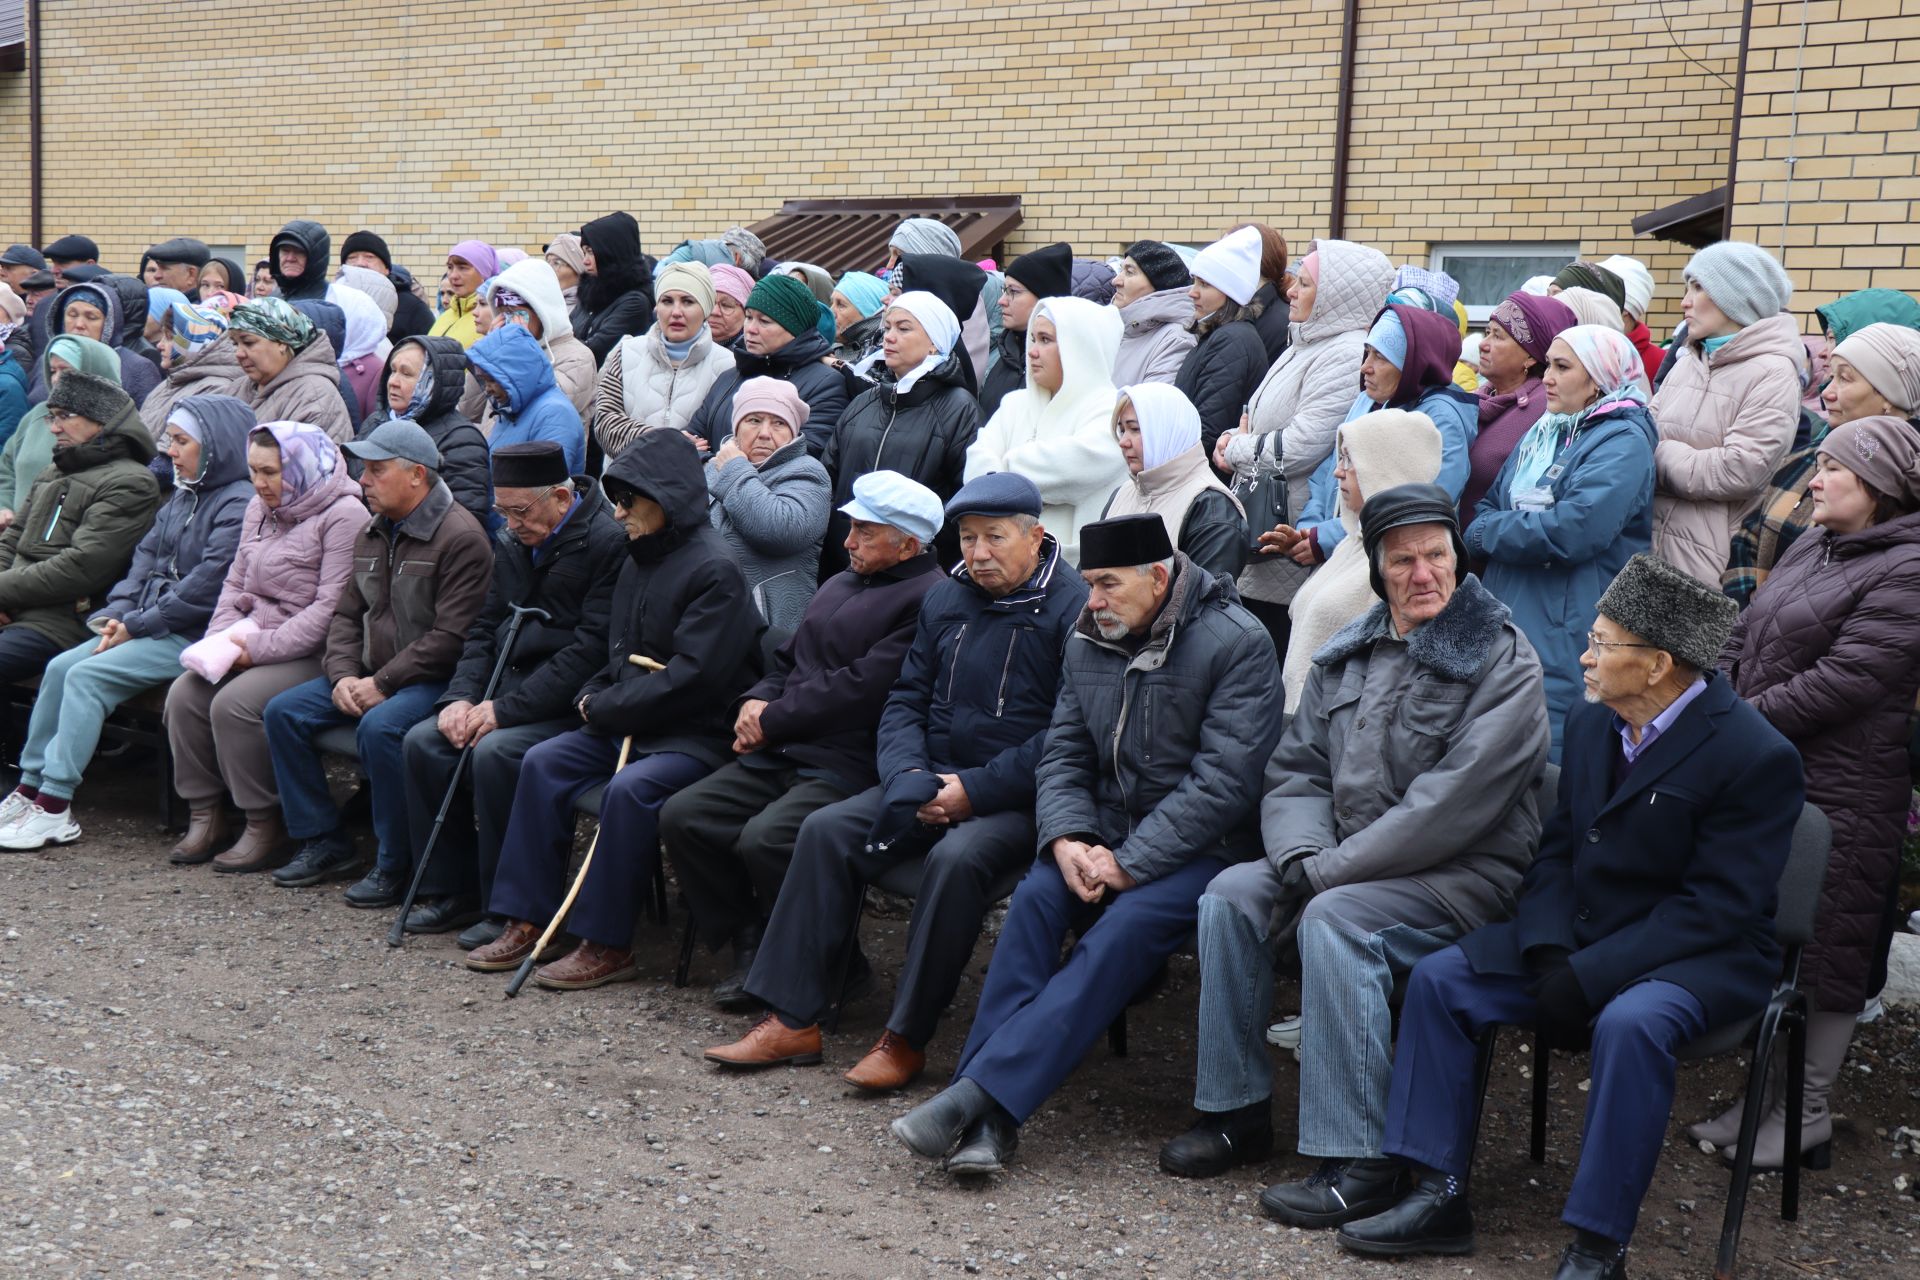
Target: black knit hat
x,y
1403,505
534,464
1047,273
1163,267
1124,541
366,242
1670,610
91,396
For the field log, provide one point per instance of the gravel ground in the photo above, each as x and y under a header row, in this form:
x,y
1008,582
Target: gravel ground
x,y
204,1075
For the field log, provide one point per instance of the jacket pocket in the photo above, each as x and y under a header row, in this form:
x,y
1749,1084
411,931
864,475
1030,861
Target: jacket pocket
x,y
415,587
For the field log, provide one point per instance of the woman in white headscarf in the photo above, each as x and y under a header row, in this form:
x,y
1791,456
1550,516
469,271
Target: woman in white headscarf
x,y
918,419
1057,431
366,347
1158,431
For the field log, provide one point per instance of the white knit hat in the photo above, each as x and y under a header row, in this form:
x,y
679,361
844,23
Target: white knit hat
x,y
1232,265
1639,281
1746,282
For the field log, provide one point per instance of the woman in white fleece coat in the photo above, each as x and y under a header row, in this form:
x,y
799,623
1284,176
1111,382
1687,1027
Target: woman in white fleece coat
x,y
1057,431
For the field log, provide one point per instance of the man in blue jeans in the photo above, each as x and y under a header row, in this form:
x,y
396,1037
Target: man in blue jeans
x,y
421,569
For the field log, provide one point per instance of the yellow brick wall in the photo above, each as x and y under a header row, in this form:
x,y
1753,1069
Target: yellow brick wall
x,y
1841,213
1507,119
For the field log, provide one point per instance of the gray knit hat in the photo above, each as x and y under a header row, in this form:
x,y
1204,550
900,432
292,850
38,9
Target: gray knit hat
x,y
1744,280
1670,610
93,397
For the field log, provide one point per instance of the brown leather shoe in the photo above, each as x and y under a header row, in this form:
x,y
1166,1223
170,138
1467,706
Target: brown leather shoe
x,y
770,1043
206,832
892,1063
263,846
505,951
588,965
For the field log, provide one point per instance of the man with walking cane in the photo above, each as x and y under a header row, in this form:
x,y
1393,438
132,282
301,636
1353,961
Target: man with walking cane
x,y
554,566
682,607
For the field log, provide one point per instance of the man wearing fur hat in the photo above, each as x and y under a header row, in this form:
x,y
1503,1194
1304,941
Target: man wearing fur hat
x,y
1400,813
1645,921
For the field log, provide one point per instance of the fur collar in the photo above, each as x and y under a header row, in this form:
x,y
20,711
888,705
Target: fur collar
x,y
1454,644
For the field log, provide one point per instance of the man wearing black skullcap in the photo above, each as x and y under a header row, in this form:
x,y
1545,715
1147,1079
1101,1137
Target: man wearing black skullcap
x,y
1170,701
1400,812
1044,273
562,555
1645,922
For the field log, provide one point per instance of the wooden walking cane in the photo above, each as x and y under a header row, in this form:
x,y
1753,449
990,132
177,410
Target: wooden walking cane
x,y
553,926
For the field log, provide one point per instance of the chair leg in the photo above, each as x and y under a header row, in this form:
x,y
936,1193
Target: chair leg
x,y
685,964
1767,1034
1542,1068
845,965
657,900
1117,1035
1482,1073
1795,1097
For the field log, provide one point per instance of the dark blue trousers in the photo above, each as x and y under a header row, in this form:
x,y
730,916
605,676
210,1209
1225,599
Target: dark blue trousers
x,y
1431,1109
1039,1016
531,880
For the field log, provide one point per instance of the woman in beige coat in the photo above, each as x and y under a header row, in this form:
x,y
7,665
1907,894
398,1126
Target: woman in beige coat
x,y
287,368
1729,407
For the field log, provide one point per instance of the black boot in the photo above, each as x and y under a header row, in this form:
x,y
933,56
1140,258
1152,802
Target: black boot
x,y
730,993
1436,1218
1221,1140
1338,1191
1593,1257
932,1128
986,1146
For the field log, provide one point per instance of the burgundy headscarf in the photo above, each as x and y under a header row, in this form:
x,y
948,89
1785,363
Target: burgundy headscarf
x,y
1433,348
1534,321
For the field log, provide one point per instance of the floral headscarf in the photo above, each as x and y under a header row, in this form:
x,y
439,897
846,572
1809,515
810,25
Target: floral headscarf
x,y
191,327
1614,364
275,320
308,457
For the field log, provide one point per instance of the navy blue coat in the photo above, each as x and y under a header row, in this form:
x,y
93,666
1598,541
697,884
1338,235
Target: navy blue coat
x,y
976,692
1670,877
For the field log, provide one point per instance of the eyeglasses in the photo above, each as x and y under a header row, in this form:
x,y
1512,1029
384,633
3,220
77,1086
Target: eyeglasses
x,y
520,512
61,415
1595,642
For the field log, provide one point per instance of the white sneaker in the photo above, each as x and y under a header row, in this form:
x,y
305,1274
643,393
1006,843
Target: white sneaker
x,y
1913,923
37,828
1284,1034
13,807
1873,1011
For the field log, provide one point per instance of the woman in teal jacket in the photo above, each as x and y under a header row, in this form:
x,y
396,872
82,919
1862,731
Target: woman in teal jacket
x,y
1572,504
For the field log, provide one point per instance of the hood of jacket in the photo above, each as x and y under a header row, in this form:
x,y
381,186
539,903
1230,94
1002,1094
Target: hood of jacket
x,y
534,280
446,360
955,282
513,358
133,307
1774,336
1089,338
1388,450
1850,313
618,264
327,318
96,358
1433,348
1354,280
312,239
125,437
102,293
664,466
1163,307
225,422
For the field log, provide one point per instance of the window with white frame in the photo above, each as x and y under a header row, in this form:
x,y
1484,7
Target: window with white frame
x,y
1487,271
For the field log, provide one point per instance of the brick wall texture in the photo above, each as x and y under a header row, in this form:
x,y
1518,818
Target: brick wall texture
x,y
1528,120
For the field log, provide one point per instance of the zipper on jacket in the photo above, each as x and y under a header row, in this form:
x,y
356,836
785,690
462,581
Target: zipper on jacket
x,y
1119,727
1000,703
891,415
953,672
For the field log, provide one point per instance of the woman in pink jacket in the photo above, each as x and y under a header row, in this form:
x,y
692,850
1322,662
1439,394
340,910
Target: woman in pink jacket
x,y
295,554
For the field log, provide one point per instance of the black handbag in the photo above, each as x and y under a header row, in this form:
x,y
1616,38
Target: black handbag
x,y
1263,496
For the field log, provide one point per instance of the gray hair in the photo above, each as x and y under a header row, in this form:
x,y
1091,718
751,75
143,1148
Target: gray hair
x,y
1146,570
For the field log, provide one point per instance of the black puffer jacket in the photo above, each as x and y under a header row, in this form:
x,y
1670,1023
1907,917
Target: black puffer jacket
x,y
616,301
412,318
573,581
1160,752
1273,323
312,239
133,318
923,435
821,386
680,600
1009,372
464,463
1220,376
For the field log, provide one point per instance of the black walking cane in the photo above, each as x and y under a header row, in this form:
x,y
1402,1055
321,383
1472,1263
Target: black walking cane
x,y
520,614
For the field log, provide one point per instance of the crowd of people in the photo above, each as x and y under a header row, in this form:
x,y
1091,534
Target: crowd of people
x,y
1206,592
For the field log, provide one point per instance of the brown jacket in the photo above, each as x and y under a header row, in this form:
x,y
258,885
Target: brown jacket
x,y
415,590
1725,421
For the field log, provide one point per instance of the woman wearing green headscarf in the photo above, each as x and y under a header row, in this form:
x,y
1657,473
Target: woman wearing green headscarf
x,y
288,369
29,449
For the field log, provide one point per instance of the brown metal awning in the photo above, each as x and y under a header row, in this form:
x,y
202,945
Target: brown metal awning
x,y
1695,221
13,35
852,235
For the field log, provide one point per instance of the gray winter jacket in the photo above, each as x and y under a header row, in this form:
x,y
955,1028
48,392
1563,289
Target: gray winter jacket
x,y
1418,759
773,517
1157,753
1155,341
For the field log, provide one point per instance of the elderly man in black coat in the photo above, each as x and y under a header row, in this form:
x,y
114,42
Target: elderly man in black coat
x,y
1170,703
560,552
1646,921
803,737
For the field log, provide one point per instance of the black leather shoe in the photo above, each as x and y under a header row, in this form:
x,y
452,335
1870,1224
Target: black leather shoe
x,y
378,888
442,915
1338,1191
1436,1218
730,993
321,858
1582,1263
481,932
986,1146
1221,1140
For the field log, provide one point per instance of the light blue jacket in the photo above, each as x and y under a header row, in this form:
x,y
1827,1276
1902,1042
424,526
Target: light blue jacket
x,y
537,409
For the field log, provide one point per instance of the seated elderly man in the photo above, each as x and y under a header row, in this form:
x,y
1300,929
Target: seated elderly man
x,y
1400,813
1643,923
958,743
682,647
804,735
561,552
421,569
1170,702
